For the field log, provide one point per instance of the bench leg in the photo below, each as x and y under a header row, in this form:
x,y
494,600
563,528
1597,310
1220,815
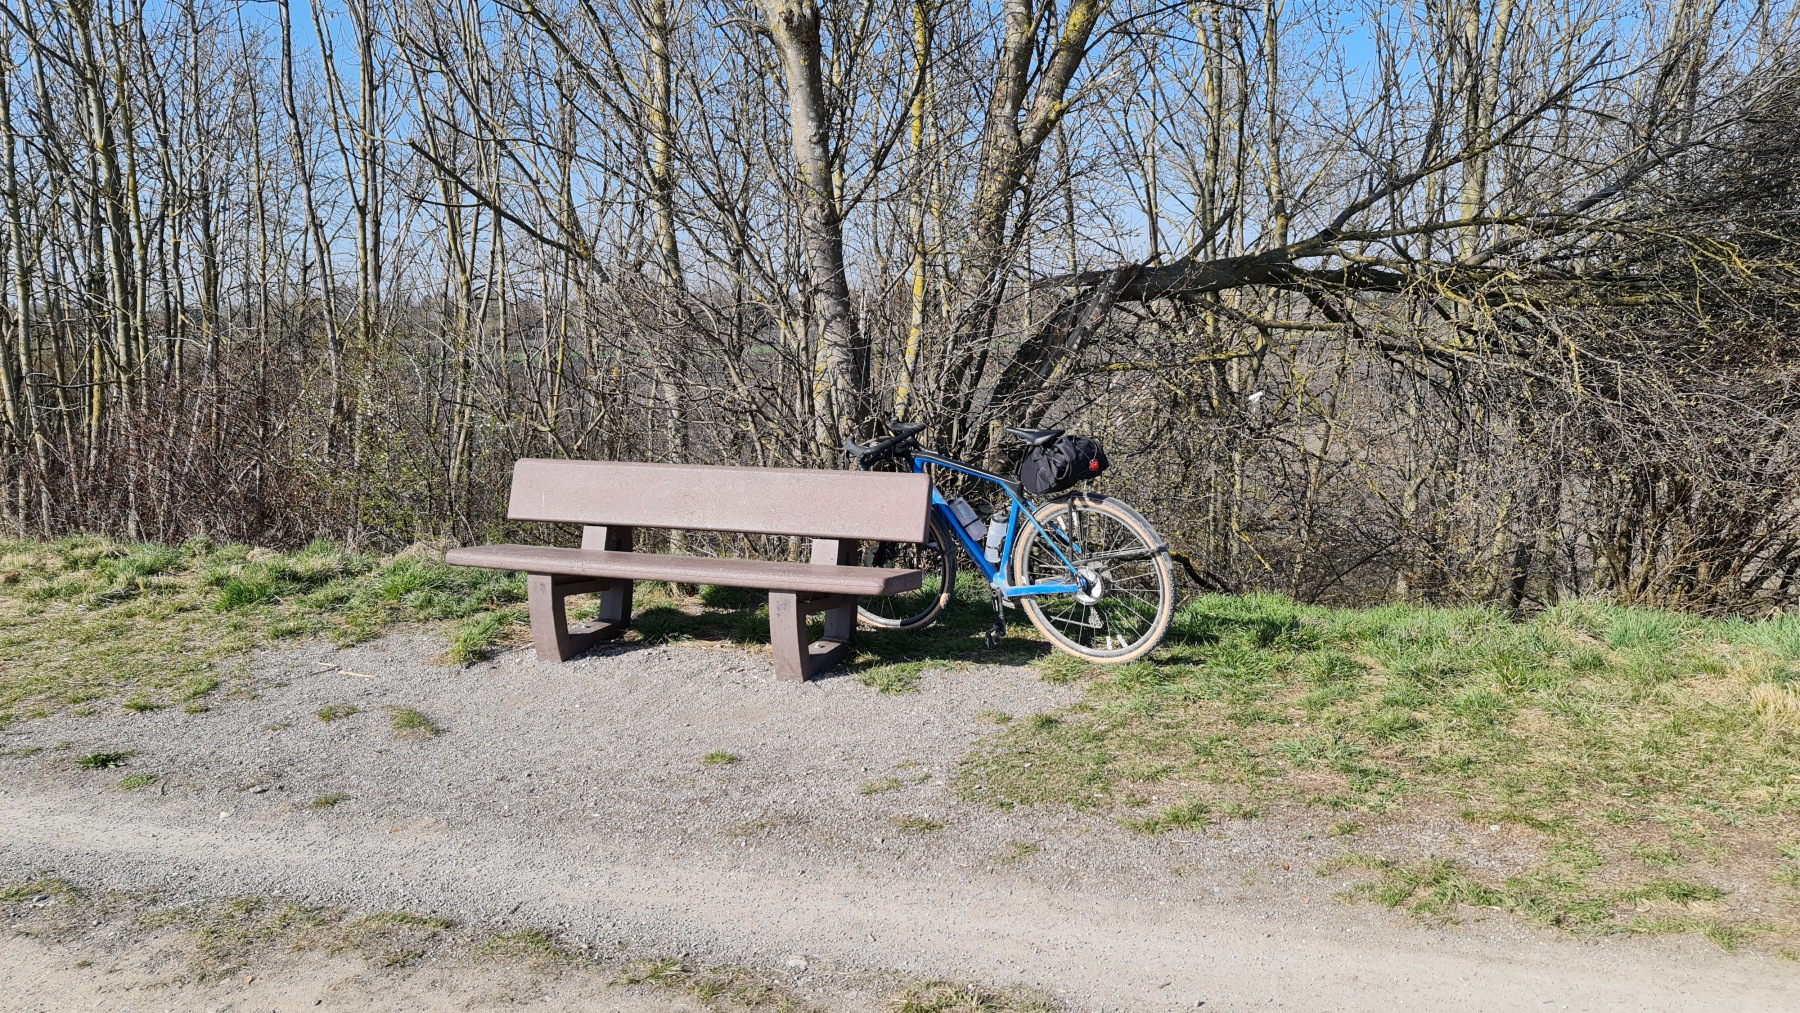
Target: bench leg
x,y
551,633
797,660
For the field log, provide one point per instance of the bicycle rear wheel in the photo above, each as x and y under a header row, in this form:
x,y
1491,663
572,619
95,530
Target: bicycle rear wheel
x,y
1128,585
911,610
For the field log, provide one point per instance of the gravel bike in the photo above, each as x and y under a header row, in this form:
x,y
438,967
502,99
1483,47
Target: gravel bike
x,y
1090,572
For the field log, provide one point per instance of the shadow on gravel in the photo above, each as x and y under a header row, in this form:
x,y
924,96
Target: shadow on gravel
x,y
889,661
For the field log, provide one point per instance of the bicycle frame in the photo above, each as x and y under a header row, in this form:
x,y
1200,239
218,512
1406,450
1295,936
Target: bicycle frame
x,y
996,575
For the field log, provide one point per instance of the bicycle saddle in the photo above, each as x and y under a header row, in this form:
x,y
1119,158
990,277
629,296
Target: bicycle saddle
x,y
904,429
1036,437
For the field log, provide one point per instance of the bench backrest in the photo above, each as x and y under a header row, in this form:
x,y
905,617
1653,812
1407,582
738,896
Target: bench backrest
x,y
860,505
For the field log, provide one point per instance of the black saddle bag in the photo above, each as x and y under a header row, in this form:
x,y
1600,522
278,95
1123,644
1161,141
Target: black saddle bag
x,y
1060,465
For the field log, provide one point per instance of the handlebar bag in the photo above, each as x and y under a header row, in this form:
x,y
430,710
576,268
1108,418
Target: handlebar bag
x,y
1061,465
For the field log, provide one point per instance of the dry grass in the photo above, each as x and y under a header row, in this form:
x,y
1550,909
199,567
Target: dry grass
x,y
1777,705
251,936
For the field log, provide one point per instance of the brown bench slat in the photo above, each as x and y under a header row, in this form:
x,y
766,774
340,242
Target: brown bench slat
x,y
812,503
806,577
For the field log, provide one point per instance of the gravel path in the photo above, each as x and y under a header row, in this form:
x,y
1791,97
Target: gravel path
x,y
575,797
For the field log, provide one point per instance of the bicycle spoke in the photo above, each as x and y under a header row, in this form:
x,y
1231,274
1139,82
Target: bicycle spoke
x,y
1114,560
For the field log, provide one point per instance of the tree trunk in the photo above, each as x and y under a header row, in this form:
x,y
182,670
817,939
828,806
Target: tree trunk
x,y
837,387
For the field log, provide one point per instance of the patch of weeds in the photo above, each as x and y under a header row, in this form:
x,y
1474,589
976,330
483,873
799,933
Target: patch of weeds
x,y
133,782
1062,669
716,987
948,997
1428,889
892,679
410,723
1347,828
104,761
1019,851
395,938
336,712
1240,811
1556,894
407,919
1673,890
640,972
1188,814
886,784
198,686
530,944
143,705
38,889
475,638
720,758
1664,857
916,824
228,935
995,717
1725,936
195,708
329,799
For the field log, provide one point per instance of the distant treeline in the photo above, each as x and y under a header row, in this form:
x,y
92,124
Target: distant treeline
x,y
1450,300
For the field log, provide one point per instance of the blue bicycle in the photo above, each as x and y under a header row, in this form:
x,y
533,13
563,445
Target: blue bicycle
x,y
1090,572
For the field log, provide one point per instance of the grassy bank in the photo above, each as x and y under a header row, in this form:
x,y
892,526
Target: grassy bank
x,y
1648,762
87,623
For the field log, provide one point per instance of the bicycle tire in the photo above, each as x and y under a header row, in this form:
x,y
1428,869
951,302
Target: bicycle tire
x,y
1143,590
937,557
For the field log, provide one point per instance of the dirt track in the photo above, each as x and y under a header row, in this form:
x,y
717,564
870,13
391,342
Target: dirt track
x,y
573,797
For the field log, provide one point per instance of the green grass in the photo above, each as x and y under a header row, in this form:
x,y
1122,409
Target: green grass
x,y
410,723
85,620
1614,743
336,712
132,782
103,761
1188,814
329,799
720,758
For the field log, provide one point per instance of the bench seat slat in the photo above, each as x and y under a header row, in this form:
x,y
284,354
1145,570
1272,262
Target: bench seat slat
x,y
805,577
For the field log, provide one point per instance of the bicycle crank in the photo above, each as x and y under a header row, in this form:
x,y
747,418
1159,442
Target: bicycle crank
x,y
991,639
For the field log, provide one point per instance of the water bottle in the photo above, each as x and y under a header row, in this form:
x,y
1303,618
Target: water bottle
x,y
967,517
996,536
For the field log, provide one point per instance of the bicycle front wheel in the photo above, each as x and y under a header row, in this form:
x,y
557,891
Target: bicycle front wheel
x,y
1127,594
911,610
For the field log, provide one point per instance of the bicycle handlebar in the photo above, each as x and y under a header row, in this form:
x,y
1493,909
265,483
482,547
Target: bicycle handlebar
x,y
905,438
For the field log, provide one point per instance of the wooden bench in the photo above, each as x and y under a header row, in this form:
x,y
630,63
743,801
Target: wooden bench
x,y
835,509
